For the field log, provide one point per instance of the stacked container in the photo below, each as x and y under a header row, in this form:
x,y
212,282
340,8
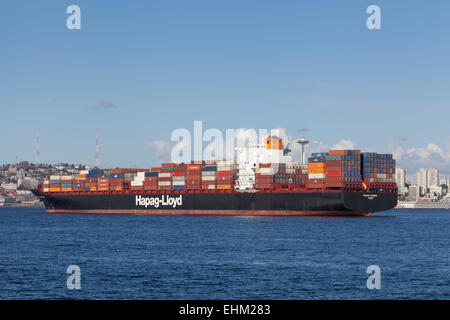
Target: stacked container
x,y
165,178
46,185
90,184
116,180
209,177
55,183
103,184
264,175
179,180
225,175
316,171
378,167
138,181
66,183
342,166
151,180
193,176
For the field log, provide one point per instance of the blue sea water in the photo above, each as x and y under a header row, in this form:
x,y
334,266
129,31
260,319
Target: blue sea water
x,y
216,257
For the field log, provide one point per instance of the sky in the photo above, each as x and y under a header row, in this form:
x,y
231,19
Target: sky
x,y
138,70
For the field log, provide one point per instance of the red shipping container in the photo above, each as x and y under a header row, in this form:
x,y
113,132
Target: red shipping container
x,y
167,165
265,165
263,186
334,174
224,173
194,167
179,174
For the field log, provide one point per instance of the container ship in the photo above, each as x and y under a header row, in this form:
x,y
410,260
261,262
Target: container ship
x,y
263,180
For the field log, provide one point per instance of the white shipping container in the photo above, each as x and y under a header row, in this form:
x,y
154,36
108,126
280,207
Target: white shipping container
x,y
137,178
46,181
164,183
141,174
316,175
208,178
209,173
66,177
179,178
55,177
164,174
84,172
178,183
211,186
225,168
381,175
269,171
290,170
46,189
137,183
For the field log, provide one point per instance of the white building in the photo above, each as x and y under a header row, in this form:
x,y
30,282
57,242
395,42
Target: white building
x,y
422,180
432,177
400,179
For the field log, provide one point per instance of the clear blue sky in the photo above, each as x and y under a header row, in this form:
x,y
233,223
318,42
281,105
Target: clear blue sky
x,y
138,70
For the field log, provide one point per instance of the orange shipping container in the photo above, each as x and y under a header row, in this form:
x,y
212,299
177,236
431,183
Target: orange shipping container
x,y
316,170
316,165
336,152
223,187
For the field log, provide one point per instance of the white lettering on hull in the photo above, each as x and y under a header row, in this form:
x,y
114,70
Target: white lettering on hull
x,y
164,200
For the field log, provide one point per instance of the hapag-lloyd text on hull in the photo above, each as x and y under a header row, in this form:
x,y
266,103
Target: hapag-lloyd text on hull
x,y
163,200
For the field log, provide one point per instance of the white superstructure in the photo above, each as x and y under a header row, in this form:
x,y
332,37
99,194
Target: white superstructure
x,y
270,150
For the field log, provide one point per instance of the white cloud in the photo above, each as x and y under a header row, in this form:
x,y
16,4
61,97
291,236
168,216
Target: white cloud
x,y
414,158
344,145
162,148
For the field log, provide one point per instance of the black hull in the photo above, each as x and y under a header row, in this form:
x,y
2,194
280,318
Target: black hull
x,y
305,203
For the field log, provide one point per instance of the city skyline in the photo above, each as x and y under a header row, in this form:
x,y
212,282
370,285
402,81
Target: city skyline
x,y
311,68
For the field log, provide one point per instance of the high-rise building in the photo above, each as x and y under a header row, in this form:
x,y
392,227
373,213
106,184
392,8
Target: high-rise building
x,y
443,180
422,180
400,179
432,177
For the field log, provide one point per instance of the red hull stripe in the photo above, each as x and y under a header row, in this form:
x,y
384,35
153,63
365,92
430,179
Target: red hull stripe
x,y
218,212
